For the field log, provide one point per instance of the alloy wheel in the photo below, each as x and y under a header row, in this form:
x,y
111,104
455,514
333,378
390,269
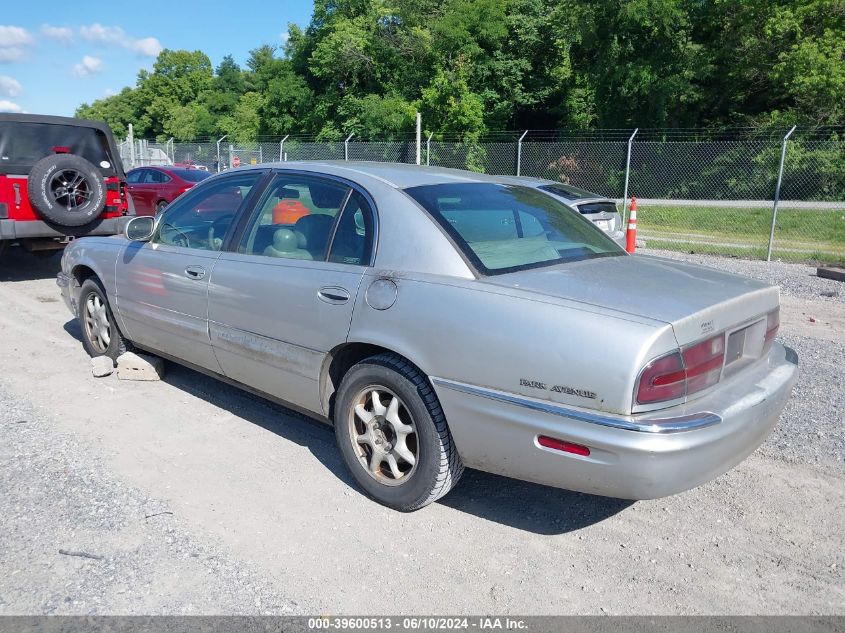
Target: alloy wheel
x,y
384,435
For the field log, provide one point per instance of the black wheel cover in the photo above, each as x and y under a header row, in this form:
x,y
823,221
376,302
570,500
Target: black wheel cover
x,y
67,190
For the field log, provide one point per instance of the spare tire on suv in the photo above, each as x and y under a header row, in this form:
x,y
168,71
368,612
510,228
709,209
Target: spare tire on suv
x,y
67,190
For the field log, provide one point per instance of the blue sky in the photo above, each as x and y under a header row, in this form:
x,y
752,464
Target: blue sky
x,y
57,55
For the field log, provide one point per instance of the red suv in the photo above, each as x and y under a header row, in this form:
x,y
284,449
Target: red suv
x,y
153,188
60,178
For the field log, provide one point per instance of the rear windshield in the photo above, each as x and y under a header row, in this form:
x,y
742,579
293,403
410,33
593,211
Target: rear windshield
x,y
569,192
24,144
191,175
505,228
597,207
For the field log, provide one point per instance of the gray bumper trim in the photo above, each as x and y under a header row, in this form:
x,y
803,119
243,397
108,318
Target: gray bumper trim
x,y
19,229
653,425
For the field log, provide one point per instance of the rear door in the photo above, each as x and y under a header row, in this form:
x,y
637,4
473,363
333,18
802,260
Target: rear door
x,y
138,190
162,285
283,296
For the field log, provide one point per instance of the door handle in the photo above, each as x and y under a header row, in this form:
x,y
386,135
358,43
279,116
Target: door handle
x,y
195,272
333,294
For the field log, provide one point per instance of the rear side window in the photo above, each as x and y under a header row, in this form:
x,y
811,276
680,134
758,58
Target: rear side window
x,y
503,228
24,144
295,217
597,207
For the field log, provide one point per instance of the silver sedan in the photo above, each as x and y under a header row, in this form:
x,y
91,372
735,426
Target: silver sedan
x,y
441,319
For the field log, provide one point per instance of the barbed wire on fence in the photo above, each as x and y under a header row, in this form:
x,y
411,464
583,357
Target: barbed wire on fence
x,y
711,191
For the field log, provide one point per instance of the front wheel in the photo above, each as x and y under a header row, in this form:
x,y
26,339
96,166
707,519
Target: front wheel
x,y
392,434
100,335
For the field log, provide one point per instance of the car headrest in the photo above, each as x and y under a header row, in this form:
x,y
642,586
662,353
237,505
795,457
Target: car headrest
x,y
285,193
313,230
326,196
285,240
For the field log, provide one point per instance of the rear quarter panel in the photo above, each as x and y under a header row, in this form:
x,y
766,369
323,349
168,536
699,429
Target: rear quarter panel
x,y
511,341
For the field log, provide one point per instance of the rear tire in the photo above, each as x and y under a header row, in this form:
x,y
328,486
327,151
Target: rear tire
x,y
161,206
392,434
100,334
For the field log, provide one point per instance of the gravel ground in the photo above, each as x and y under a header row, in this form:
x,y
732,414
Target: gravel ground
x,y
56,496
266,519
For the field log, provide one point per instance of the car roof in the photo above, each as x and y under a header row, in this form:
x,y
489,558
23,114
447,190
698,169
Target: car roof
x,y
14,117
396,175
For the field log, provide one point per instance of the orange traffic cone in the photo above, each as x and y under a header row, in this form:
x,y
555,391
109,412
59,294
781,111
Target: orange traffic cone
x,y
631,235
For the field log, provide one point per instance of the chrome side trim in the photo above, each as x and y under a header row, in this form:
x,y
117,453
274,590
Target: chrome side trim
x,y
654,425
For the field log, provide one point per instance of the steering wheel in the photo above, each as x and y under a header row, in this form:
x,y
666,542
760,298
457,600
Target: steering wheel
x,y
179,238
219,227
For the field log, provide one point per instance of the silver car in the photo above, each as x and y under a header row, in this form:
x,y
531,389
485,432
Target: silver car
x,y
441,319
597,209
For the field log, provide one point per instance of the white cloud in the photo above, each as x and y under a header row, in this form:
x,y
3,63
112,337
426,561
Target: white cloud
x,y
284,36
88,66
10,54
148,46
14,36
9,86
110,92
61,34
8,106
116,36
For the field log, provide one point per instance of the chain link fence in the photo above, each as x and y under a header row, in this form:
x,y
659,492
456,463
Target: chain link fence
x,y
697,190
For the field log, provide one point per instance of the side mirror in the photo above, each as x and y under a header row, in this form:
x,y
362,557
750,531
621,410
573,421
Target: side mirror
x,y
140,229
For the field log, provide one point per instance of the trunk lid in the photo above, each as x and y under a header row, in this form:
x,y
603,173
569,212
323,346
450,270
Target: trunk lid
x,y
694,300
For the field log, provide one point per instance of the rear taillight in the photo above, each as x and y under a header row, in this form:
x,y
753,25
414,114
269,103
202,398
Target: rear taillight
x,y
563,446
703,363
772,326
682,372
662,379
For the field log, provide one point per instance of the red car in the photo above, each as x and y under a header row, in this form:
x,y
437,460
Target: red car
x,y
153,188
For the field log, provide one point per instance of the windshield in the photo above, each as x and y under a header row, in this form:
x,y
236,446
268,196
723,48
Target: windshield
x,y
24,144
505,228
191,175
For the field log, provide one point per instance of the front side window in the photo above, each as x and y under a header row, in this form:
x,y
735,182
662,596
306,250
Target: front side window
x,y
201,218
295,217
505,228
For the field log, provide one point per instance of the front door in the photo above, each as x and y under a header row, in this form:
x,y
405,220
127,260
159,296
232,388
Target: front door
x,y
284,297
162,285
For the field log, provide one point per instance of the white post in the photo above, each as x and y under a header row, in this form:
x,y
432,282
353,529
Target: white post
x,y
346,146
419,136
130,139
220,140
428,149
231,154
260,154
519,153
282,148
170,150
777,193
627,174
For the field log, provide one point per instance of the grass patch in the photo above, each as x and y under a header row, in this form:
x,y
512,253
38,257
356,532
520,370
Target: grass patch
x,y
800,234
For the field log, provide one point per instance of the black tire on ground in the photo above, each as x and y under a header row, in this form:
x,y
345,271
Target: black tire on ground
x,y
94,312
67,190
4,244
438,465
160,206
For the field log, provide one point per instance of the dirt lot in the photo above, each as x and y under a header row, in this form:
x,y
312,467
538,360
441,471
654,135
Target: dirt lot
x,y
198,498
